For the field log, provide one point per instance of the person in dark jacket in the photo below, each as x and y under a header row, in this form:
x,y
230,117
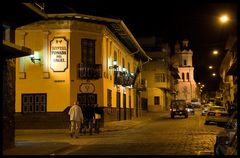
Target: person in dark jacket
x,y
84,118
89,116
97,118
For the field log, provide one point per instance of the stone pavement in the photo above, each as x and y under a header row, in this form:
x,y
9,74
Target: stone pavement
x,y
50,141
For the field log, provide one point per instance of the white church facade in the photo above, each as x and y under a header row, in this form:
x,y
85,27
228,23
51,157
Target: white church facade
x,y
186,87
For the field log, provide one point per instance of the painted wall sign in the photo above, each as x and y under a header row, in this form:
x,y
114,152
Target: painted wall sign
x,y
59,54
87,88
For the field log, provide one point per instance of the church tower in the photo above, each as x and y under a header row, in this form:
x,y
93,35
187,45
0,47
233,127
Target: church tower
x,y
186,84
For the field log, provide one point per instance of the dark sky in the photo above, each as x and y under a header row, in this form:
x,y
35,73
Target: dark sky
x,y
171,20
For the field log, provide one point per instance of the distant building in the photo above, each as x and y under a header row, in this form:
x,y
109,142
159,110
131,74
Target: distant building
x,y
228,72
186,87
91,59
158,75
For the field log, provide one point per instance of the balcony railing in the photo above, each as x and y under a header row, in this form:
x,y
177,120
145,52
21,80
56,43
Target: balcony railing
x,y
127,79
118,77
142,86
123,78
89,71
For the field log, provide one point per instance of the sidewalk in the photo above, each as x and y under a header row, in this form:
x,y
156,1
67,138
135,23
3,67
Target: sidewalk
x,y
50,141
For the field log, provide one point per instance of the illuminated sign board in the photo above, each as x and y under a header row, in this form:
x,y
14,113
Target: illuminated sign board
x,y
59,54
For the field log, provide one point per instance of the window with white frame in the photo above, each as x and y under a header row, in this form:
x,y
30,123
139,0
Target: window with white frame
x,y
159,77
34,103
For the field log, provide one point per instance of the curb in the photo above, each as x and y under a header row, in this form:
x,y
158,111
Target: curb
x,y
62,150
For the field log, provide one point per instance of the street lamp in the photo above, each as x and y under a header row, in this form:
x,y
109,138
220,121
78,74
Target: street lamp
x,y
215,52
210,67
213,74
224,19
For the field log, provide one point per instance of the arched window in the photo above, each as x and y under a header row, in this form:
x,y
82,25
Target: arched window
x,y
187,76
183,76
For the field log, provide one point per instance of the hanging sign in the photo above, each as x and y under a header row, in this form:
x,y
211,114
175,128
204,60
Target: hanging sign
x,y
59,54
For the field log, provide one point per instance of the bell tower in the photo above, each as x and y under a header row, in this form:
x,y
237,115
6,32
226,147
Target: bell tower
x,y
186,84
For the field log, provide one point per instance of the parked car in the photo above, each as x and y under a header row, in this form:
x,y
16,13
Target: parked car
x,y
190,109
218,117
225,139
178,107
196,103
205,109
227,145
217,108
231,149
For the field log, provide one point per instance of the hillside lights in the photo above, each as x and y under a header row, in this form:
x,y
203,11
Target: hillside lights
x,y
34,57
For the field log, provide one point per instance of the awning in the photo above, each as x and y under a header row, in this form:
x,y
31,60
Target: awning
x,y
11,50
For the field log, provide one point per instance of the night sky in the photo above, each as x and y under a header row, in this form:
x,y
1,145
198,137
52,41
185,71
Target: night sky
x,y
170,20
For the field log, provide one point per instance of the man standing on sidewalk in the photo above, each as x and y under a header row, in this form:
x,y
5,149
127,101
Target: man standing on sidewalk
x,y
76,118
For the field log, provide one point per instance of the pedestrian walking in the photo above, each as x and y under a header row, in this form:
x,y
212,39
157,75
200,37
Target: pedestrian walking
x,y
76,118
83,107
89,116
97,118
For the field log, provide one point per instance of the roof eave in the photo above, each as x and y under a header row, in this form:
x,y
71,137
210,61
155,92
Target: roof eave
x,y
12,50
106,21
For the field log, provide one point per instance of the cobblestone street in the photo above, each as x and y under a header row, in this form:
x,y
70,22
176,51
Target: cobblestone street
x,y
160,136
153,134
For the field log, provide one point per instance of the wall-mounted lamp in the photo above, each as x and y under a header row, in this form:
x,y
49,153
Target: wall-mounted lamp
x,y
34,57
114,65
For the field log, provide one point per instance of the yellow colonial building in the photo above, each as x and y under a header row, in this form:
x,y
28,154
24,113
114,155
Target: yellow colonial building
x,y
93,60
158,75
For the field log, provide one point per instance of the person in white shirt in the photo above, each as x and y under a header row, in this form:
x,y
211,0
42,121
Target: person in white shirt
x,y
76,118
